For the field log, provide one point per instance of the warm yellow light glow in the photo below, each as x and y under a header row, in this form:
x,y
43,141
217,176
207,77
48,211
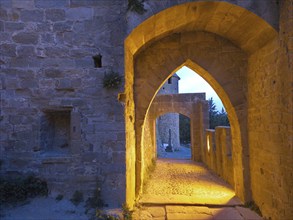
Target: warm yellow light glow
x,y
186,182
208,143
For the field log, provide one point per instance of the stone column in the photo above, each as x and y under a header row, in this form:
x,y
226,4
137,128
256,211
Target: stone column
x,y
195,131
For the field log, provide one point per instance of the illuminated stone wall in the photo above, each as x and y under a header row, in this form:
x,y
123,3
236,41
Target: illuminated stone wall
x,y
265,52
270,121
217,152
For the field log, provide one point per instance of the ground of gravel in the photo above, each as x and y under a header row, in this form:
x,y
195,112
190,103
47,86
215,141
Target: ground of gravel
x,y
186,190
188,182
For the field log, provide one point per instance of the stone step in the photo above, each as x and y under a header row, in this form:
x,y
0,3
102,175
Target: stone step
x,y
198,200
180,212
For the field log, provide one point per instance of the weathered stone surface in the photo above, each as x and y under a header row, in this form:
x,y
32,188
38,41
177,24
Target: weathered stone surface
x,y
1,26
51,3
44,26
23,4
63,26
8,50
79,13
55,14
48,38
25,51
255,77
26,62
56,52
3,14
14,26
247,213
32,15
53,73
26,38
86,3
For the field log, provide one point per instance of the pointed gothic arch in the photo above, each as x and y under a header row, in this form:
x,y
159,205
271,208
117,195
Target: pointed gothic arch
x,y
213,38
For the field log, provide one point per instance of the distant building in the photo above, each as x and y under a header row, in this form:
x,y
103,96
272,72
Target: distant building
x,y
170,120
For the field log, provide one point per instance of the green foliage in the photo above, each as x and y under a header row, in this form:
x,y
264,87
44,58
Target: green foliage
x,y
217,118
19,189
127,214
77,197
184,129
137,6
112,80
59,197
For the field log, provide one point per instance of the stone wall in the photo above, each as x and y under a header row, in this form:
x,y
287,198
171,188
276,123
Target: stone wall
x,y
218,152
192,105
57,120
270,121
47,68
170,120
238,26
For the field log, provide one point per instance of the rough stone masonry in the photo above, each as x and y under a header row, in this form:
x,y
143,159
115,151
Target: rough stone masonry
x,y
58,122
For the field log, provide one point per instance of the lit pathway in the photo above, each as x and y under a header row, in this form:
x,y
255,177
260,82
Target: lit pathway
x,y
182,189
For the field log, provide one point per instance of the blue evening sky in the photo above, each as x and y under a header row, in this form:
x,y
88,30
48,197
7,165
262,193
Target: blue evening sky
x,y
191,82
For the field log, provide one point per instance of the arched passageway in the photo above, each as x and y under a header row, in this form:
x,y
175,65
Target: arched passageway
x,y
215,39
192,106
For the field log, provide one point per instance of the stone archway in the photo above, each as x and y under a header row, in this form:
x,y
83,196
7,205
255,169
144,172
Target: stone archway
x,y
213,37
190,105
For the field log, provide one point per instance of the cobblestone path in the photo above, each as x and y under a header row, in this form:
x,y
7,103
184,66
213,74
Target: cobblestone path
x,y
183,189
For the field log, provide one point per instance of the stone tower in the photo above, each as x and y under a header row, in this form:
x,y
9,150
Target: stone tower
x,y
170,120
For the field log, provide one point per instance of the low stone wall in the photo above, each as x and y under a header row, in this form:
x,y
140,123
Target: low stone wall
x,y
218,153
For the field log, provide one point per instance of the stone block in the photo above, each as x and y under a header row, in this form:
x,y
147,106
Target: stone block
x,y
226,213
8,50
3,14
14,26
63,84
79,13
56,52
51,3
63,26
15,119
79,53
1,26
26,38
85,3
46,83
247,213
55,15
29,83
44,26
76,83
58,62
53,73
25,51
24,62
23,4
4,37
32,15
47,38
84,63
156,212
5,4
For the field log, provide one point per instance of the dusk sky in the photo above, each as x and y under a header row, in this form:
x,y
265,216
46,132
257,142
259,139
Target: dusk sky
x,y
191,82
